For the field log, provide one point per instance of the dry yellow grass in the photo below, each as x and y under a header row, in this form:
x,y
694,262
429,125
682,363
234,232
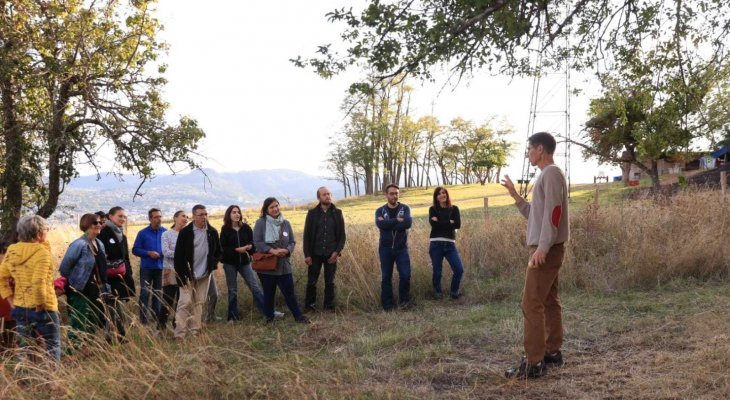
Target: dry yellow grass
x,y
641,321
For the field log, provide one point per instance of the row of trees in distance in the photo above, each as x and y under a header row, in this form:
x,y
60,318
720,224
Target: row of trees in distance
x,y
382,142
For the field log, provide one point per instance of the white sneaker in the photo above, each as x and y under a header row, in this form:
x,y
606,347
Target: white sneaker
x,y
279,314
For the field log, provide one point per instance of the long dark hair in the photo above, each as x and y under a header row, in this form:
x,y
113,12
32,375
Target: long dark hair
x,y
177,214
266,205
436,195
227,221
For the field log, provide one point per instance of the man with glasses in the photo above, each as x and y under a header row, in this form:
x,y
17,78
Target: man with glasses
x,y
196,257
148,247
394,219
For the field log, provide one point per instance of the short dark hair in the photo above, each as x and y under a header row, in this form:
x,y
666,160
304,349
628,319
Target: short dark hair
x,y
198,207
392,185
102,214
227,220
436,194
266,205
86,221
545,139
114,210
151,211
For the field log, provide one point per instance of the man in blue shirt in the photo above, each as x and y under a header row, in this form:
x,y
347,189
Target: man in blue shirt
x,y
394,219
148,247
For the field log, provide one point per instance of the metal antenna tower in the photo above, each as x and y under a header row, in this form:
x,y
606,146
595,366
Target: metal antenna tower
x,y
549,112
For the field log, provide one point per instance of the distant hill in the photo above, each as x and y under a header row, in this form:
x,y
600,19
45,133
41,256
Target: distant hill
x,y
217,191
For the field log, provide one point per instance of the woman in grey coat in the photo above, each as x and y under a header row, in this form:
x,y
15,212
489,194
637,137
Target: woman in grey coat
x,y
273,234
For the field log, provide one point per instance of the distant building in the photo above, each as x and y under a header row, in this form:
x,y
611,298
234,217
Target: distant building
x,y
679,163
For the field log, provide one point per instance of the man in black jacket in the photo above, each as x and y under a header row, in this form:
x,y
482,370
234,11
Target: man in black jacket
x,y
324,239
197,252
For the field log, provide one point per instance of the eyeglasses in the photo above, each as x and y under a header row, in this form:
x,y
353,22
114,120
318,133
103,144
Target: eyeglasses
x,y
96,223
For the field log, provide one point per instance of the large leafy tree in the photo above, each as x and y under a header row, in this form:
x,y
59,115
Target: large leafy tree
x,y
78,78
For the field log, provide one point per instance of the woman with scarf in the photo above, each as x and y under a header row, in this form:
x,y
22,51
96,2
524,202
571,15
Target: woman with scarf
x,y
119,268
273,234
84,267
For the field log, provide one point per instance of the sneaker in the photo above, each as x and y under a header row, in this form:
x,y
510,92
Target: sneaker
x,y
526,370
406,305
554,359
279,314
303,320
438,296
455,296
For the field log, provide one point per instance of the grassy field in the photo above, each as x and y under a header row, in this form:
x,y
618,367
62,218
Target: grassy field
x,y
643,290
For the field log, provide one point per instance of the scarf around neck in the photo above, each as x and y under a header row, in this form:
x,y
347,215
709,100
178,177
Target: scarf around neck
x,y
273,227
117,230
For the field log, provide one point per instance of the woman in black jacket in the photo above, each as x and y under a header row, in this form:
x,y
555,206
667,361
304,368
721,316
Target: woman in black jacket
x,y
445,220
237,244
117,252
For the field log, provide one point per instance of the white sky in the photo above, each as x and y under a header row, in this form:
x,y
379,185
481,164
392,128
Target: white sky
x,y
229,69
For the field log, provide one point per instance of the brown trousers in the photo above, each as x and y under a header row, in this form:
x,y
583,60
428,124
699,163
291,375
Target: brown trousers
x,y
541,306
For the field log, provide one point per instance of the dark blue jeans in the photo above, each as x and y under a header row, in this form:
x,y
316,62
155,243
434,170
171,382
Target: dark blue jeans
x,y
232,272
286,285
402,262
438,250
46,323
147,278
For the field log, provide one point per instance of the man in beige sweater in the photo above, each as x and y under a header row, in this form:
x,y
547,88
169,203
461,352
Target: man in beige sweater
x,y
547,231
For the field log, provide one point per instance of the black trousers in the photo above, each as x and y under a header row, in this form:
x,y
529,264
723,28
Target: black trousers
x,y
329,281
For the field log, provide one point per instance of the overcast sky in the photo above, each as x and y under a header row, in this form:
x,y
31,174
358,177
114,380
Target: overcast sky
x,y
229,69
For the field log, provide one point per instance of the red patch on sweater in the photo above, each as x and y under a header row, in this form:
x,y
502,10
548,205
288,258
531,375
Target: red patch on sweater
x,y
557,212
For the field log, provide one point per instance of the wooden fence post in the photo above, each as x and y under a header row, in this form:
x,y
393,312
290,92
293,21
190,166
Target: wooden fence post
x,y
723,182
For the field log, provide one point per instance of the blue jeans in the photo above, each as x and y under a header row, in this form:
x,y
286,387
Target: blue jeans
x,y
249,277
149,277
402,262
46,323
438,250
286,285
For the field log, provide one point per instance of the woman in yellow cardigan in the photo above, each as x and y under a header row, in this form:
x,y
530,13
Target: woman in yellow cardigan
x,y
35,307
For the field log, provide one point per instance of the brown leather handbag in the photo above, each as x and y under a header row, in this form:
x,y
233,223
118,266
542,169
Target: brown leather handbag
x,y
264,261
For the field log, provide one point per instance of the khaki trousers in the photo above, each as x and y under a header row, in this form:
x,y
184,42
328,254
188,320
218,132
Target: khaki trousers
x,y
543,321
189,314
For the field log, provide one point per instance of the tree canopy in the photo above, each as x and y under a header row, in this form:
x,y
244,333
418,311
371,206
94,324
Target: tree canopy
x,y
78,77
412,36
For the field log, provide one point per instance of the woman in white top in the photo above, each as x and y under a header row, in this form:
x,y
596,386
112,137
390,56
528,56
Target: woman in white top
x,y
170,290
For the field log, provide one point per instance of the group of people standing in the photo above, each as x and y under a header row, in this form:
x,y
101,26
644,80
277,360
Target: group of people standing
x,y
177,265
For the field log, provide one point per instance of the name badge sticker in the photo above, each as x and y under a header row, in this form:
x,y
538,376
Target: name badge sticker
x,y
285,234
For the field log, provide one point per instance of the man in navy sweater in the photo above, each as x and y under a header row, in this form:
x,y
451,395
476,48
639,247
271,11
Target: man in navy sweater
x,y
148,247
394,219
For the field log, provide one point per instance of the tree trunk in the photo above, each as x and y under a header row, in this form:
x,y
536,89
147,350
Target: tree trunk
x,y
654,175
12,174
